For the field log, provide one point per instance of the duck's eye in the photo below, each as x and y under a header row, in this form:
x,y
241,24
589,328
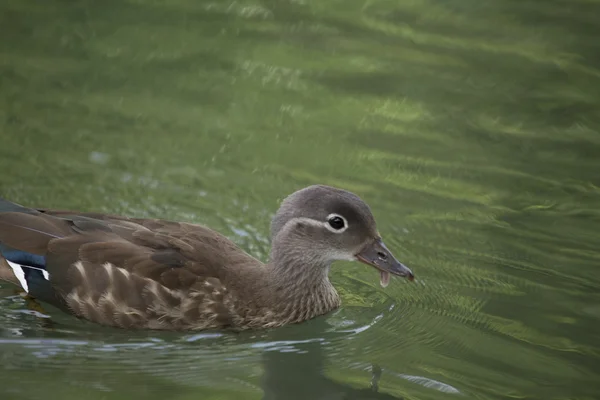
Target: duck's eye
x,y
336,223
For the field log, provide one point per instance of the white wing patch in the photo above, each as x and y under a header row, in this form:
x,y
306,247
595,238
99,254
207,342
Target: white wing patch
x,y
20,273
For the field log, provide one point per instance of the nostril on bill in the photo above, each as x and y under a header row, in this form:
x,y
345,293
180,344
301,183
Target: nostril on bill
x,y
382,256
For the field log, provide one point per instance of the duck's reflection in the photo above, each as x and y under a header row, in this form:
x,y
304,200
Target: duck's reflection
x,y
299,373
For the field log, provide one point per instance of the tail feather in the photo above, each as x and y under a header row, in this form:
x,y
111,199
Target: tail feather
x,y
24,237
22,268
9,206
7,273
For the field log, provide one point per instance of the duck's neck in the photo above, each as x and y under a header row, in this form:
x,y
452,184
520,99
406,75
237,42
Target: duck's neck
x,y
300,284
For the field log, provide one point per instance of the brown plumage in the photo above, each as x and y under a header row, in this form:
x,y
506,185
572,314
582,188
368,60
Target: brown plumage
x,y
156,274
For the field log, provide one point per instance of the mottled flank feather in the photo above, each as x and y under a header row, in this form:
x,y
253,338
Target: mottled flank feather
x,y
113,296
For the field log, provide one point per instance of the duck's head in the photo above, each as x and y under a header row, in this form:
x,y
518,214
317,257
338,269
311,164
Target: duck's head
x,y
322,224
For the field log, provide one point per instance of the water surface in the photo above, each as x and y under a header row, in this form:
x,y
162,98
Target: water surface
x,y
471,128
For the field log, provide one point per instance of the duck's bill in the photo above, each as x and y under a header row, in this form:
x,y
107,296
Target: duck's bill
x,y
377,255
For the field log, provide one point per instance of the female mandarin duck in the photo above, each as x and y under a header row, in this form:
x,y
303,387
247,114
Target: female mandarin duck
x,y
155,274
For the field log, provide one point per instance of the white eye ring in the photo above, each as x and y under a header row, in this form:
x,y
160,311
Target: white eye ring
x,y
328,225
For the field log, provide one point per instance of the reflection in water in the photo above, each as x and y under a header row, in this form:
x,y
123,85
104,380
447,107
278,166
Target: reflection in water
x,y
300,376
298,372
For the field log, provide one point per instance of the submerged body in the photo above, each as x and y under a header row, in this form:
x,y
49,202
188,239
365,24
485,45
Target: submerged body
x,y
156,274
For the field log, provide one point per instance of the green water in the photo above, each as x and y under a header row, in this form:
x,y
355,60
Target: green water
x,y
472,128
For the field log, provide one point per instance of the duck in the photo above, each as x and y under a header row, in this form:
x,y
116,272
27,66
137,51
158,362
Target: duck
x,y
146,273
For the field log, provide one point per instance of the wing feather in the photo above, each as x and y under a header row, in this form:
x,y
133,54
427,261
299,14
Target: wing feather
x,y
129,272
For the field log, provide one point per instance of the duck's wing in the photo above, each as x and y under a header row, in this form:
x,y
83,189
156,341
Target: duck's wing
x,y
120,271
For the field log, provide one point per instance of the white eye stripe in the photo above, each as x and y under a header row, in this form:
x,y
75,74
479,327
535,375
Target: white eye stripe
x,y
332,229
302,220
316,223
